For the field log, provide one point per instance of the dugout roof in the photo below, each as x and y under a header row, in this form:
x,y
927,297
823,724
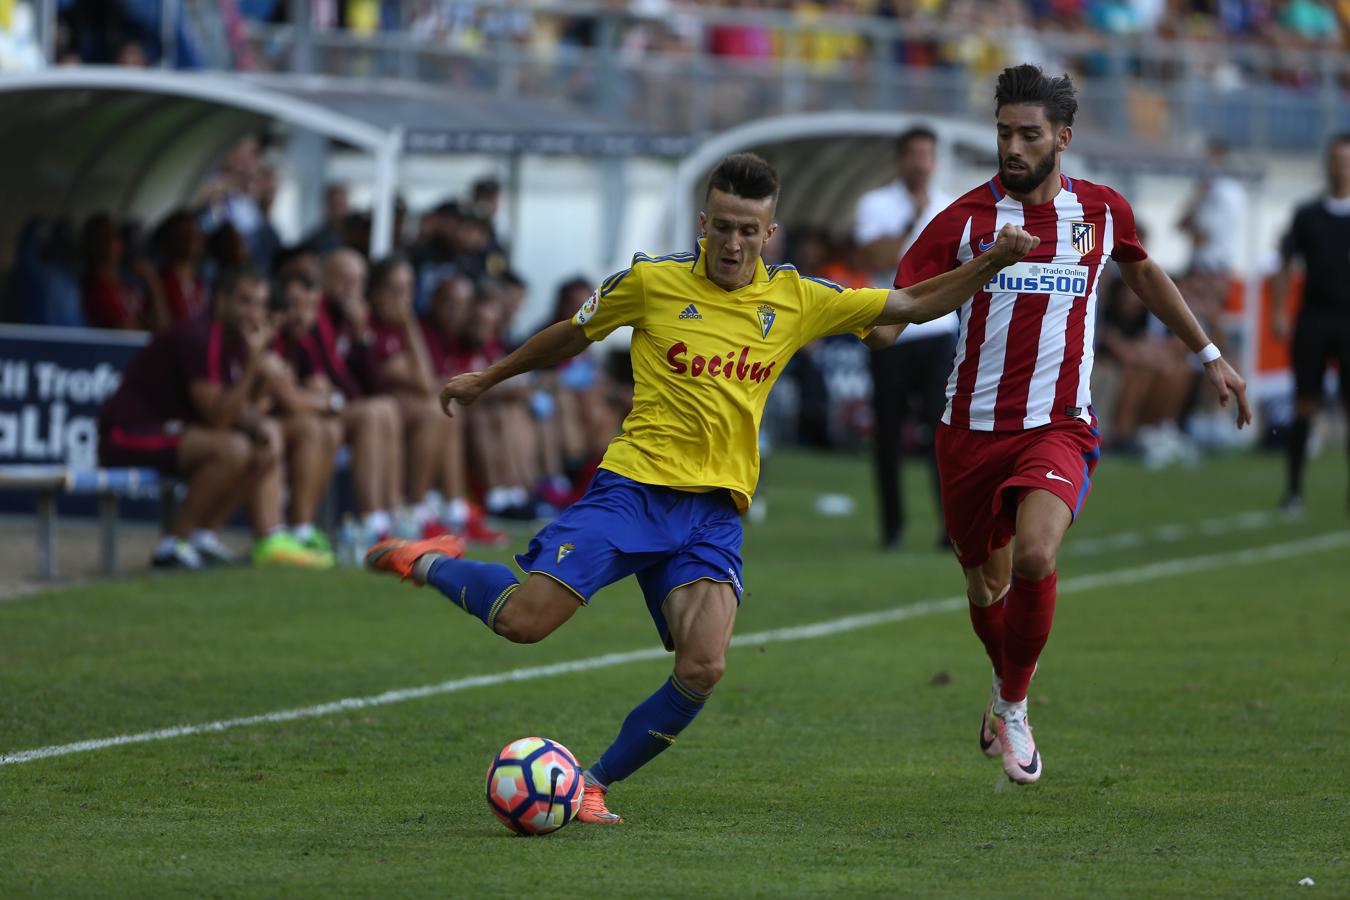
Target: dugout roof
x,y
89,138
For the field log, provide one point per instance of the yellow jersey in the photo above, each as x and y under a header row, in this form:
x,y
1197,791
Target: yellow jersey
x,y
705,359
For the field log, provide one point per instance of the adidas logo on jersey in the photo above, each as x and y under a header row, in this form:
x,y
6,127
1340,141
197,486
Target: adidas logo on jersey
x,y
691,312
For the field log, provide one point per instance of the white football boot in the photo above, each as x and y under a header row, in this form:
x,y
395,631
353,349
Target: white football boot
x,y
1021,759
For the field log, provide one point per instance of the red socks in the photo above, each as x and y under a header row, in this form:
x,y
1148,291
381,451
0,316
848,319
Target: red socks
x,y
988,622
1030,610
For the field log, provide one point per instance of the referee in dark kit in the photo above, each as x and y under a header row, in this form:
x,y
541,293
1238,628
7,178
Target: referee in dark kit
x,y
1319,238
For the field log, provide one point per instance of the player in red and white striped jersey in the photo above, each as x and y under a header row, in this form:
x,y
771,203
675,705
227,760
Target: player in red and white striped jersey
x,y
1018,440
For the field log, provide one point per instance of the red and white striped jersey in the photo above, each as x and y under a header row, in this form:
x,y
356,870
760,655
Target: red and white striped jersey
x,y
1024,353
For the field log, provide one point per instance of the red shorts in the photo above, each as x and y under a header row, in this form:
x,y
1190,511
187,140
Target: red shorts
x,y
984,474
141,447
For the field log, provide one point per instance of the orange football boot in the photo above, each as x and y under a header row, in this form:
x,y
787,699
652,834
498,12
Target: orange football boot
x,y
396,555
593,809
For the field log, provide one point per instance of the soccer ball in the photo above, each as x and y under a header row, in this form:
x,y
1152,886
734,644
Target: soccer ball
x,y
534,786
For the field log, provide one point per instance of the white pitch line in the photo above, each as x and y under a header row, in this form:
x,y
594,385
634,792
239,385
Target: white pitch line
x,y
1132,575
1126,540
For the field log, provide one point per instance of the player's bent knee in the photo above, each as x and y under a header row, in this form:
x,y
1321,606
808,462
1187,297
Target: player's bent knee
x,y
522,625
701,674
982,589
1035,561
234,451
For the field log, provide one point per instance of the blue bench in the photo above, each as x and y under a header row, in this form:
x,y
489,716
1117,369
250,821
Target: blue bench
x,y
48,482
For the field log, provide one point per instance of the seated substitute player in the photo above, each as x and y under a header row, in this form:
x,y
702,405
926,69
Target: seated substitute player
x,y
712,330
189,406
1018,440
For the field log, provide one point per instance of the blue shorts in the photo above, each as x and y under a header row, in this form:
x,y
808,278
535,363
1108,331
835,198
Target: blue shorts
x,y
621,527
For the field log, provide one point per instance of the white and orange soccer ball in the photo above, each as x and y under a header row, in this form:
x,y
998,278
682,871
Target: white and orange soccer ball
x,y
534,785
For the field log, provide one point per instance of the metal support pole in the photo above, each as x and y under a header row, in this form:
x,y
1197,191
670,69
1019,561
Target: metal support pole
x,y
302,56
46,533
107,531
169,10
47,30
386,186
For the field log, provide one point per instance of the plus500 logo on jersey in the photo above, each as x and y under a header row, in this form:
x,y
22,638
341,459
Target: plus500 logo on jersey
x,y
1040,278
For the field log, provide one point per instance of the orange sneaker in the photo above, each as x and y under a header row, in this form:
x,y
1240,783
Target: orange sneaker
x,y
593,809
476,530
396,555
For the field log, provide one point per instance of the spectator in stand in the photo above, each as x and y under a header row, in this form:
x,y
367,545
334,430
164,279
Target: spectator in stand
x,y
307,408
1213,219
485,201
181,247
452,310
225,250
330,235
587,419
403,368
266,243
435,248
189,406
1152,377
908,378
227,197
44,282
341,337
111,299
502,432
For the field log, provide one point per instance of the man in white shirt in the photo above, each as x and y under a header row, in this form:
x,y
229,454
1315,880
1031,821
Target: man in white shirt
x,y
1214,217
912,373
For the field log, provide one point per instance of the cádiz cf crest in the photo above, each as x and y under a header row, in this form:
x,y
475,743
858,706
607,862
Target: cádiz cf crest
x,y
1083,236
565,550
766,317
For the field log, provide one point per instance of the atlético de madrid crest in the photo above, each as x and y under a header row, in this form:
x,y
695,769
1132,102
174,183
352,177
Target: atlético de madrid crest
x,y
1084,237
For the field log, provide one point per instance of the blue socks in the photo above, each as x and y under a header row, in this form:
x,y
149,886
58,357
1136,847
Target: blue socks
x,y
649,729
480,589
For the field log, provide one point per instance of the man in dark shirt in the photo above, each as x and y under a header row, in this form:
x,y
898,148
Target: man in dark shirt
x,y
324,390
190,405
1320,238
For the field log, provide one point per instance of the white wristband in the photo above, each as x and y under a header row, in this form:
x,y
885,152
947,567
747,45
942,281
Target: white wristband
x,y
1208,353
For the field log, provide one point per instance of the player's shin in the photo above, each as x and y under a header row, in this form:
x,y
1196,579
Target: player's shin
x,y
648,730
988,624
479,588
1030,609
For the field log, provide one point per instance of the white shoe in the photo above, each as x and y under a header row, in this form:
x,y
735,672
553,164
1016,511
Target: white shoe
x,y
1021,759
211,550
177,555
989,744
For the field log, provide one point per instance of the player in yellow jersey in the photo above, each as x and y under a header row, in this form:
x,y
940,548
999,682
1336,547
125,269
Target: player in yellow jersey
x,y
713,329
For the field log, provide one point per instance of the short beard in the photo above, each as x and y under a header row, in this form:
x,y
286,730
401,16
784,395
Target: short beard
x,y
1025,184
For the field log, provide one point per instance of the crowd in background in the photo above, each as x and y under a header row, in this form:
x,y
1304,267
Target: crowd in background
x,y
128,31
354,353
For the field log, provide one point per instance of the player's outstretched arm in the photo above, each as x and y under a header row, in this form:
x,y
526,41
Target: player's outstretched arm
x,y
549,347
1160,294
938,296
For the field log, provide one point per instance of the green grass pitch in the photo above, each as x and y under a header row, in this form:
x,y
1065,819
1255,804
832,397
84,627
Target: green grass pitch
x,y
1192,720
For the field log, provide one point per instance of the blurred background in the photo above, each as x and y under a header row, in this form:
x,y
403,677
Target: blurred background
x,y
507,156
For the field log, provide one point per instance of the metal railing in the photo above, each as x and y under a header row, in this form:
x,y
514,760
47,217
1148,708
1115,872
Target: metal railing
x,y
661,72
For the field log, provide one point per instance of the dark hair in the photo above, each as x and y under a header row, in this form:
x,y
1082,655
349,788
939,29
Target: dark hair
x,y
910,135
383,270
744,175
1340,137
283,283
231,277
1027,84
